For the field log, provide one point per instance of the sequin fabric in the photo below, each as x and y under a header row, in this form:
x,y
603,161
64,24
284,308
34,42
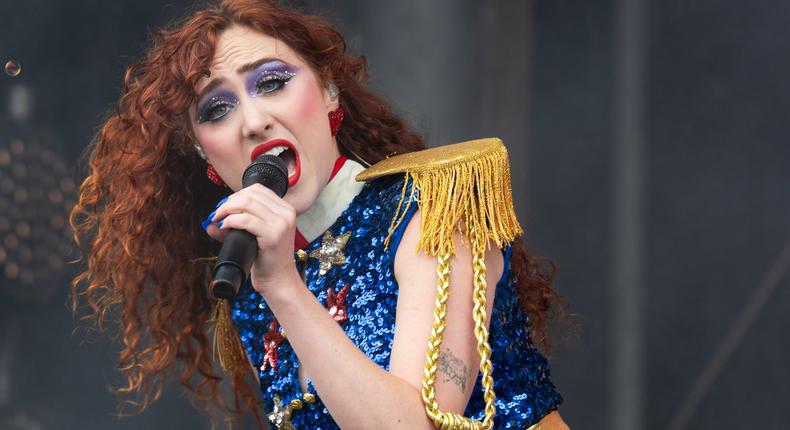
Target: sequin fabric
x,y
524,391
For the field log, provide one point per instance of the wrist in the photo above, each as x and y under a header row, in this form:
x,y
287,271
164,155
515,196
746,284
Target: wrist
x,y
280,288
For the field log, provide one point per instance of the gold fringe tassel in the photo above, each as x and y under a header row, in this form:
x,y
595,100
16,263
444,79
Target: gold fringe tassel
x,y
470,194
227,344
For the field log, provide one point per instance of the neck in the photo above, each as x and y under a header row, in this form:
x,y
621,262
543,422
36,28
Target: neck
x,y
331,202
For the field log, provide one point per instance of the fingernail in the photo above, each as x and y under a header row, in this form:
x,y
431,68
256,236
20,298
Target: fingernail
x,y
211,216
220,224
224,199
205,224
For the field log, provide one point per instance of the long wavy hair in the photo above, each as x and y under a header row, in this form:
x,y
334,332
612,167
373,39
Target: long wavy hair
x,y
139,210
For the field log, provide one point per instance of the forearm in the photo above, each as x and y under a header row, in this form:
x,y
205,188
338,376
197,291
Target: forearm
x,y
358,393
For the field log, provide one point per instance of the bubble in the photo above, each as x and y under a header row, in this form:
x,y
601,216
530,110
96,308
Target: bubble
x,y
19,171
12,68
66,184
11,270
17,146
23,229
20,195
11,241
55,197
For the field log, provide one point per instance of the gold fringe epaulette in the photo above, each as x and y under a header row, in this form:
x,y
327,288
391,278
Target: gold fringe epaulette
x,y
463,188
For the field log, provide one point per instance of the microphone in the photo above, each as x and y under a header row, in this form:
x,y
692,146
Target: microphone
x,y
240,247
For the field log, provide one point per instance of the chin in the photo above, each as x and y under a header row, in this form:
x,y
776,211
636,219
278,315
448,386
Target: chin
x,y
298,201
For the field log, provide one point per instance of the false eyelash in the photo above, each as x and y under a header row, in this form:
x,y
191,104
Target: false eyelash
x,y
211,104
277,75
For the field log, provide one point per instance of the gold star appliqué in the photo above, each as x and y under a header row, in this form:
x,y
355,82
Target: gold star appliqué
x,y
331,252
281,415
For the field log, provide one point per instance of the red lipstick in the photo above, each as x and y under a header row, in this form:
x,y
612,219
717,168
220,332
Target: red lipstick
x,y
294,167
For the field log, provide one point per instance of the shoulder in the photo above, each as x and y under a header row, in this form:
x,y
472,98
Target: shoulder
x,y
407,258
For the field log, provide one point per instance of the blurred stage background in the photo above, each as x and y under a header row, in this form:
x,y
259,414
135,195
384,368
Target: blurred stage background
x,y
650,160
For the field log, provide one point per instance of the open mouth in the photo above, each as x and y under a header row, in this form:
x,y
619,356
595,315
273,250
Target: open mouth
x,y
285,151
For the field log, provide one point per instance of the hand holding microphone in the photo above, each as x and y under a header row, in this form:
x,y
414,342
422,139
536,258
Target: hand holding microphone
x,y
240,246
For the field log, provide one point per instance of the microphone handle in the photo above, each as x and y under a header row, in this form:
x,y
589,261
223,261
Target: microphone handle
x,y
240,247
234,263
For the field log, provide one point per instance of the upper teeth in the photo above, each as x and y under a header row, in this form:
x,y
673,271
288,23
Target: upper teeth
x,y
277,150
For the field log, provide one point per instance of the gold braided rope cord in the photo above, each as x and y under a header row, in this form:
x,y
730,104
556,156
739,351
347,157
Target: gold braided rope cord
x,y
481,332
434,341
447,420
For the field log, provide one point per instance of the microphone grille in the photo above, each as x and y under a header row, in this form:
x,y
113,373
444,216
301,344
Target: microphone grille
x,y
269,171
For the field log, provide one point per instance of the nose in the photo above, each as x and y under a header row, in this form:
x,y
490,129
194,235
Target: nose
x,y
257,120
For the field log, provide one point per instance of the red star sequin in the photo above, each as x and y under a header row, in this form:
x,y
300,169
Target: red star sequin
x,y
271,341
336,304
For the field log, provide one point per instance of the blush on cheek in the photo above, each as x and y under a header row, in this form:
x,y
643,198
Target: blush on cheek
x,y
310,106
209,141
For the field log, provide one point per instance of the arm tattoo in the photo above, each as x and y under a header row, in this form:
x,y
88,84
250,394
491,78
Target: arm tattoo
x,y
454,369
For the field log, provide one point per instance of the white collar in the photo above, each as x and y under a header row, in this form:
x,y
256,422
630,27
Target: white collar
x,y
331,202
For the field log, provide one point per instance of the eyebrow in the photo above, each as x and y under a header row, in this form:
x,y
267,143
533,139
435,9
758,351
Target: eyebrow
x,y
214,83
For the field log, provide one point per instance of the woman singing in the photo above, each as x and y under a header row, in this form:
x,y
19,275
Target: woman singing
x,y
339,308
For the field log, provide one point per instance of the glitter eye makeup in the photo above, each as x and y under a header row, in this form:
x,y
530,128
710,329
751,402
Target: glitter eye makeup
x,y
216,105
269,77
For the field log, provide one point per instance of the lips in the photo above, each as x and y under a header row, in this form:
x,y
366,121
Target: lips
x,y
290,156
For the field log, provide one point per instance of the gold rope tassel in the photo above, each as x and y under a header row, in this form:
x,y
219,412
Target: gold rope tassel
x,y
227,344
461,188
481,333
447,420
434,341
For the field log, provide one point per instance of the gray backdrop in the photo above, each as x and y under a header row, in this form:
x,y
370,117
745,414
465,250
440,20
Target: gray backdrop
x,y
647,140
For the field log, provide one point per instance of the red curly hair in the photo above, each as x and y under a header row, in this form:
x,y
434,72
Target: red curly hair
x,y
139,210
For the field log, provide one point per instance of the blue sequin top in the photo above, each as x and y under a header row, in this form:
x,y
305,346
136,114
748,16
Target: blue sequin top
x,y
524,393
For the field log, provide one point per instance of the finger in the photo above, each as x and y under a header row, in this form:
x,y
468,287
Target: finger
x,y
267,196
277,200
265,230
257,200
215,233
260,209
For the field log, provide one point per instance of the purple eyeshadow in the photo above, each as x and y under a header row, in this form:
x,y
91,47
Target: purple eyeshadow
x,y
213,99
218,102
272,70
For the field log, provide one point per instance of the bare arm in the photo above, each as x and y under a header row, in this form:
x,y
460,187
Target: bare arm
x,y
360,394
458,360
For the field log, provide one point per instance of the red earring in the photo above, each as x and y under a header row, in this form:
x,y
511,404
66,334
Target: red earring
x,y
213,176
335,119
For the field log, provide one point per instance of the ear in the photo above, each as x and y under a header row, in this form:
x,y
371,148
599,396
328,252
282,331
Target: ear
x,y
331,102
